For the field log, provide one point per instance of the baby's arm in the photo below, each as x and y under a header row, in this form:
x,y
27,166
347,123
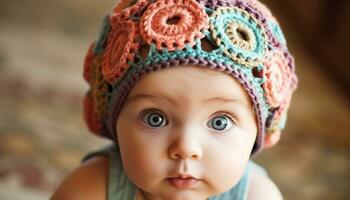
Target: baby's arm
x,y
88,181
262,187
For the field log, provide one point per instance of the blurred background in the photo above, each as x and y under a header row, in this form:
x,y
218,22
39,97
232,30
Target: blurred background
x,y
43,136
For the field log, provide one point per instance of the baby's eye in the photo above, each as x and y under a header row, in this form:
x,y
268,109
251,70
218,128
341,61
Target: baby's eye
x,y
220,123
154,119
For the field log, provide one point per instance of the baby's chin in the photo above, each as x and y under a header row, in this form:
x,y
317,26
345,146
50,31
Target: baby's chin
x,y
181,195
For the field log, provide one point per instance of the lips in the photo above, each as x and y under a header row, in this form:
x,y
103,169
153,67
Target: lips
x,y
183,182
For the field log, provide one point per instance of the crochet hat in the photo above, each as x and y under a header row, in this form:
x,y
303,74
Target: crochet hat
x,y
142,36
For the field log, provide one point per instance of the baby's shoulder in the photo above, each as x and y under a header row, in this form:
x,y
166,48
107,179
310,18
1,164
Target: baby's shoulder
x,y
88,181
262,187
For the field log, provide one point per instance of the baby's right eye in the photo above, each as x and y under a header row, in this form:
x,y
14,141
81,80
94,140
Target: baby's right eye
x,y
154,119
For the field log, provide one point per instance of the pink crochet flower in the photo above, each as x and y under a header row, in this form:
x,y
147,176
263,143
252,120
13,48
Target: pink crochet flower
x,y
120,49
173,23
279,78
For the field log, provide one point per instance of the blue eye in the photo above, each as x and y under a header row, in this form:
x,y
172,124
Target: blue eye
x,y
220,123
154,120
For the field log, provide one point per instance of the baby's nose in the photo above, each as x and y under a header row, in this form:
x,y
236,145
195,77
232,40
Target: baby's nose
x,y
185,146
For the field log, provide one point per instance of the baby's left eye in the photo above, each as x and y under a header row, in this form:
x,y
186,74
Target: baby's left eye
x,y
220,123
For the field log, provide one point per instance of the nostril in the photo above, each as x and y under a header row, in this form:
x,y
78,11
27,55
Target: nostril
x,y
177,157
185,156
185,147
194,157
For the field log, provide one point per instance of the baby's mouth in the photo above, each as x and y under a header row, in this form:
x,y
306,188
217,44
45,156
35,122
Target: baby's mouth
x,y
183,181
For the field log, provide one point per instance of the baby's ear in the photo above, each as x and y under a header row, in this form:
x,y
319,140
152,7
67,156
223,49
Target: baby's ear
x,y
272,138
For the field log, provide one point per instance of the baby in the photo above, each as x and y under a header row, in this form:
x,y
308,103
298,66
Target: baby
x,y
188,91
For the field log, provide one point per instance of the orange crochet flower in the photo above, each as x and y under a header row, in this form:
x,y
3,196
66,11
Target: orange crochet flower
x,y
278,77
120,49
173,23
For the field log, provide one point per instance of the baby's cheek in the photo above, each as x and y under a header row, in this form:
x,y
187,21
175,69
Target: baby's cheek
x,y
144,168
226,168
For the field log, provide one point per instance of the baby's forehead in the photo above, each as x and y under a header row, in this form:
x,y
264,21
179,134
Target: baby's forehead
x,y
190,84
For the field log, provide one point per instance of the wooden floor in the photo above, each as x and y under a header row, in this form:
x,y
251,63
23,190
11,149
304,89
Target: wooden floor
x,y
43,137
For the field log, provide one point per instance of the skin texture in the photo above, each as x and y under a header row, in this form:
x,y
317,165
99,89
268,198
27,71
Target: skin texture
x,y
186,143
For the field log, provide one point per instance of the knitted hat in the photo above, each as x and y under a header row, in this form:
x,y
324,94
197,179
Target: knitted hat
x,y
142,36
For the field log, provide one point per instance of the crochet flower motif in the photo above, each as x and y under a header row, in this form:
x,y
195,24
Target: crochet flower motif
x,y
263,16
240,34
279,79
120,49
172,24
87,63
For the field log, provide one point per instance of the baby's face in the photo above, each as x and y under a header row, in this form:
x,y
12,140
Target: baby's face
x,y
186,133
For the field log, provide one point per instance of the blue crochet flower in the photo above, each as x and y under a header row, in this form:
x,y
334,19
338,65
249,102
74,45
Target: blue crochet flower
x,y
240,34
